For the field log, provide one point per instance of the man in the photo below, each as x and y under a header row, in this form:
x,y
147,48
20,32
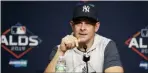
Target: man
x,y
102,51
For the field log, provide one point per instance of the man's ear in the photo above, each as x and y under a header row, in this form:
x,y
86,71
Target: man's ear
x,y
97,26
71,24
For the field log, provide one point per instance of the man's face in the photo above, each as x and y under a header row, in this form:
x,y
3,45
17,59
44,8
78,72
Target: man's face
x,y
85,31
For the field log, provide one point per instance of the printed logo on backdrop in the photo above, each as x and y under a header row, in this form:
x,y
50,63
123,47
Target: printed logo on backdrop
x,y
139,44
18,41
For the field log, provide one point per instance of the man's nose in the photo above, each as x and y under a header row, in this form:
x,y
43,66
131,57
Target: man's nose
x,y
83,26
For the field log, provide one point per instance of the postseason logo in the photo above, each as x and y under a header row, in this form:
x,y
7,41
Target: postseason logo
x,y
18,41
18,63
139,44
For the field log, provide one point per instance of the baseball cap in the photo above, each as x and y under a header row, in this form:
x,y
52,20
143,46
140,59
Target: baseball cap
x,y
85,10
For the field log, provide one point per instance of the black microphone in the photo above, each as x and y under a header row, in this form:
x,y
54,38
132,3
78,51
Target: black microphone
x,y
86,57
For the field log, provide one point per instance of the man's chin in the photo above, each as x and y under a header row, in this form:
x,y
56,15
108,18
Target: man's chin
x,y
83,41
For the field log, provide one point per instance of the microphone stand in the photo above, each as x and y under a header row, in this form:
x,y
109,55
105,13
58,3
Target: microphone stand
x,y
86,58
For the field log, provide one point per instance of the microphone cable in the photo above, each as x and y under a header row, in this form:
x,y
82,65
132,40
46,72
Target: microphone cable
x,y
86,58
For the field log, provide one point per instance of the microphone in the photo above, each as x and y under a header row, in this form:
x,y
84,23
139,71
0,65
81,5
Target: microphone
x,y
85,47
86,57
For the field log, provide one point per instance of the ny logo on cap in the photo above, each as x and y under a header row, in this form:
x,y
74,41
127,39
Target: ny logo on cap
x,y
86,8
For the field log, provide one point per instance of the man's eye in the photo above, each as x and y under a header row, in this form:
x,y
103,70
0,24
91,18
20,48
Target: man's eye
x,y
78,22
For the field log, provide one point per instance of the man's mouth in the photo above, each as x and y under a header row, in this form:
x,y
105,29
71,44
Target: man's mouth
x,y
82,34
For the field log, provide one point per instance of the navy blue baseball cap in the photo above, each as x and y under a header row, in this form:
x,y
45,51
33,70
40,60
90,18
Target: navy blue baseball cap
x,y
85,10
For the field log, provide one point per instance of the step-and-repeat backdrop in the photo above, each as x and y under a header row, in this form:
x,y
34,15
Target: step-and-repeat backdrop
x,y
29,31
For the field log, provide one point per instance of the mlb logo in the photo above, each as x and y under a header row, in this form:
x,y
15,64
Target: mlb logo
x,y
18,30
143,65
144,32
